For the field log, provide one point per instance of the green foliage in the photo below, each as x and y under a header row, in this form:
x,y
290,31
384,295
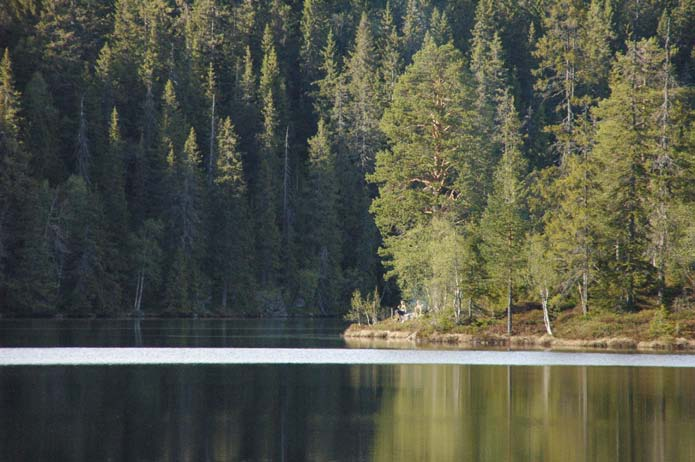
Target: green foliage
x,y
365,309
626,139
660,326
503,225
124,183
428,124
321,238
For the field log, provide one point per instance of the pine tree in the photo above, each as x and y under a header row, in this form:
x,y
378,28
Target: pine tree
x,y
422,173
503,224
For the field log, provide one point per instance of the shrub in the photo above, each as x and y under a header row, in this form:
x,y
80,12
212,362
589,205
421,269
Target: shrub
x,y
660,325
364,308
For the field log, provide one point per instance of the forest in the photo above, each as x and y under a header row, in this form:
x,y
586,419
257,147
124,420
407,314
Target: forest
x,y
259,157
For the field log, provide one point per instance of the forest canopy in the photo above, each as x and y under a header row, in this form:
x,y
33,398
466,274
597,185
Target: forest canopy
x,y
245,157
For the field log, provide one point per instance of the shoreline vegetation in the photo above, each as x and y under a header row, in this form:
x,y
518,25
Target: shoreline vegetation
x,y
647,330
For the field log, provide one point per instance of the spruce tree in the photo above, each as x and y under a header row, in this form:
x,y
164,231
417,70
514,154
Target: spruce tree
x,y
330,81
42,131
571,221
488,69
313,28
232,239
322,238
625,151
268,188
364,108
572,56
439,28
34,287
89,284
389,46
504,224
414,27
13,166
560,68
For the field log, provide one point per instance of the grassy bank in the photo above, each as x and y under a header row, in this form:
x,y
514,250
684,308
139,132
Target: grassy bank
x,y
643,330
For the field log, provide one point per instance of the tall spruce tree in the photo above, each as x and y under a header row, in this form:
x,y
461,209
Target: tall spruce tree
x,y
490,76
13,165
625,149
42,131
322,236
268,188
572,56
232,239
504,223
572,221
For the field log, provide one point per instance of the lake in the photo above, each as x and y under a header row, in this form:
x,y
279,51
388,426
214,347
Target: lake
x,y
328,412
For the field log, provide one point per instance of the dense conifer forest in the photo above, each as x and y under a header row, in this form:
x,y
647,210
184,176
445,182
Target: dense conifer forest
x,y
245,157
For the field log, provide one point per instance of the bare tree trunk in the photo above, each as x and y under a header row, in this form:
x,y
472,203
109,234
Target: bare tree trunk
x,y
457,298
142,290
584,290
584,295
509,305
83,155
211,154
545,295
286,185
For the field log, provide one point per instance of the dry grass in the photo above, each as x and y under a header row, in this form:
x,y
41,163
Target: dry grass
x,y
648,329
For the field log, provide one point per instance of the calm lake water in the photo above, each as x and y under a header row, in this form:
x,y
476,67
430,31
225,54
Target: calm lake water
x,y
326,412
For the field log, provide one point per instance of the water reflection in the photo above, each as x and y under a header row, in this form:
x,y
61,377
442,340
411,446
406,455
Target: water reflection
x,y
385,413
276,333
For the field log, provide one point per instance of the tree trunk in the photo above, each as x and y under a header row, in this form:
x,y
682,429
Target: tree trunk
x,y
211,154
285,187
509,306
546,316
225,292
